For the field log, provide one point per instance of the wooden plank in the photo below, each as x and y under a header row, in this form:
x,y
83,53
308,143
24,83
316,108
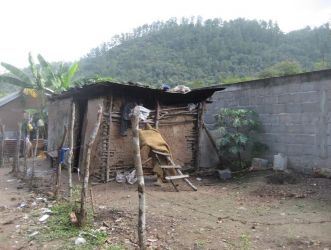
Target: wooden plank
x,y
176,177
170,166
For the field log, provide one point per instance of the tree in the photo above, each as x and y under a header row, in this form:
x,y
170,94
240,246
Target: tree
x,y
42,78
283,68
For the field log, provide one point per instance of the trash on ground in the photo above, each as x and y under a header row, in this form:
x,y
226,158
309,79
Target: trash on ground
x,y
80,241
44,218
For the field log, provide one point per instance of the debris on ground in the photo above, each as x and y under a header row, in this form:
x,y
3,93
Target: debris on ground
x,y
44,218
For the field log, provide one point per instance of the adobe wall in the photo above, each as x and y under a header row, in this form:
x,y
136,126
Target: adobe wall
x,y
295,112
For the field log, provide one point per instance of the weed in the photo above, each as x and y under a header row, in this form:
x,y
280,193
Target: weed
x,y
245,242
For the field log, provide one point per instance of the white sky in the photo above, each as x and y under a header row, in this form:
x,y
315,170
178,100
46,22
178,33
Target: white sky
x,y
68,29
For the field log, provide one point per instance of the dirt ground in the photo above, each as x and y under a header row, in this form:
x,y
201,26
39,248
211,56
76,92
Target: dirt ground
x,y
243,213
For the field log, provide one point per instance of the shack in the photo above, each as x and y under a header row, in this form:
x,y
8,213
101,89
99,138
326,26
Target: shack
x,y
177,116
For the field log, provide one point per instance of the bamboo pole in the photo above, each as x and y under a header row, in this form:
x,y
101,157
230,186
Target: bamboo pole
x,y
109,137
59,167
17,153
84,193
140,177
71,146
2,144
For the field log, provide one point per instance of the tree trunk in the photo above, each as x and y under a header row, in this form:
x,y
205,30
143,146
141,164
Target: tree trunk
x,y
59,167
140,177
2,144
84,193
17,153
71,146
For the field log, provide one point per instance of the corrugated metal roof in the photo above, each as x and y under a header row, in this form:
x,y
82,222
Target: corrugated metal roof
x,y
8,98
102,88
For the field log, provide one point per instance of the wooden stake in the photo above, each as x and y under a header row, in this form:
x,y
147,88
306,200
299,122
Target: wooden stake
x,y
34,158
17,153
109,137
83,212
199,128
92,200
140,177
2,144
59,167
71,146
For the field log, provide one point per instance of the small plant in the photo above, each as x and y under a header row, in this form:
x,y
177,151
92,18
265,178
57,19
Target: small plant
x,y
239,136
245,242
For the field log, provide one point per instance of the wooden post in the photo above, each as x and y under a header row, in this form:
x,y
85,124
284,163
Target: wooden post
x,y
109,137
157,114
34,157
199,128
83,213
71,147
2,144
17,153
140,177
59,167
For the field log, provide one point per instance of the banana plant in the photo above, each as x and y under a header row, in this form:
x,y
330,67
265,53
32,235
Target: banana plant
x,y
43,78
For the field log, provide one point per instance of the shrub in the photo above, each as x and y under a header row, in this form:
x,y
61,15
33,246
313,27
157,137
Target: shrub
x,y
239,136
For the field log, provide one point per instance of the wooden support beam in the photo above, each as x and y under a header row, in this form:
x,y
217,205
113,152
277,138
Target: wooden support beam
x,y
199,128
59,167
110,120
17,153
2,144
157,114
71,146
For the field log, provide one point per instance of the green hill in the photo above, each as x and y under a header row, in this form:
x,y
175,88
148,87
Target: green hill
x,y
195,51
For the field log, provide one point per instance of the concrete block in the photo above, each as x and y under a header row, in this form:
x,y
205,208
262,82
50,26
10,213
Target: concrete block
x,y
311,96
293,108
284,98
294,149
278,108
308,86
310,107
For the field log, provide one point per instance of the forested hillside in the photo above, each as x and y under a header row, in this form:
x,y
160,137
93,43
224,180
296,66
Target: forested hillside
x,y
211,51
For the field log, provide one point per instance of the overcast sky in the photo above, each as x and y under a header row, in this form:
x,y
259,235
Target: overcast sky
x,y
68,29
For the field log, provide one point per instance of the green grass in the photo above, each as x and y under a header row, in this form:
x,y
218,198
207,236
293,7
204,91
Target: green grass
x,y
59,228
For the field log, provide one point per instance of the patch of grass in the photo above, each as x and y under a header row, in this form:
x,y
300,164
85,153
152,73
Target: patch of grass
x,y
245,242
60,228
199,244
115,247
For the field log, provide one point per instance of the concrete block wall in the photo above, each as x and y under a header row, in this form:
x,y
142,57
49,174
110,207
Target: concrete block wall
x,y
295,112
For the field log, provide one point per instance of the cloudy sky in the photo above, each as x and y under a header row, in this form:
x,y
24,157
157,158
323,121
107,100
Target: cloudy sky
x,y
68,29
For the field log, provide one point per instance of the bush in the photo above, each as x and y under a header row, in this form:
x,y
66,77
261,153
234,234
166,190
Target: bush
x,y
239,142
